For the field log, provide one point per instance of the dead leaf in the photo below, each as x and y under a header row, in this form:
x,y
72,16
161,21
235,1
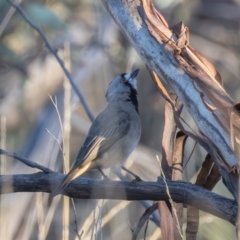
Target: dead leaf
x,y
182,34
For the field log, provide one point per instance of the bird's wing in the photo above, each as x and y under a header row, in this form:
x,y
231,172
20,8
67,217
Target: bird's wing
x,y
106,130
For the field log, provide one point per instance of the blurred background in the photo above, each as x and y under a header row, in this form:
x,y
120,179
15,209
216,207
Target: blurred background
x,y
95,51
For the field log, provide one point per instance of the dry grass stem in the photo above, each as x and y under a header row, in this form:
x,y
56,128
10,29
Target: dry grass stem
x,y
66,138
57,140
3,172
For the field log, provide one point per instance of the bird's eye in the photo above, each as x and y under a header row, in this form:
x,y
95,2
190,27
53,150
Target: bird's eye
x,y
123,80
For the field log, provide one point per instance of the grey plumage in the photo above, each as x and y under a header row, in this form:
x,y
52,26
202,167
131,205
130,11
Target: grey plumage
x,y
114,134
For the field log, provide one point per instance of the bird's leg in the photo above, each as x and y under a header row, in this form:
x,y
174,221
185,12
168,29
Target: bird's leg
x,y
137,178
103,174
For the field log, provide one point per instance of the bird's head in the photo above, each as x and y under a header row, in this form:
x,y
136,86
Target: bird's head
x,y
123,86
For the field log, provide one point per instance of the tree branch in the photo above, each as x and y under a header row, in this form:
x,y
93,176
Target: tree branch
x,y
82,188
55,54
143,219
26,161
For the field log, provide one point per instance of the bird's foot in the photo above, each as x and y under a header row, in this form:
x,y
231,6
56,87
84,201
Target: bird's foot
x,y
137,178
105,177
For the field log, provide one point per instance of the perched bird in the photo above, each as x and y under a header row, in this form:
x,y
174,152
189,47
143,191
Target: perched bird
x,y
114,133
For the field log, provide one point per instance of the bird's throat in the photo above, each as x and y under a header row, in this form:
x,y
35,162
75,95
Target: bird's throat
x,y
133,98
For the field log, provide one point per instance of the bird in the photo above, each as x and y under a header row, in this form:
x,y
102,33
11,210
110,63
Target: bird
x,y
114,133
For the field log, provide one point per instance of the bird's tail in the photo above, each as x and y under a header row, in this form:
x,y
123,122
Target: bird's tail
x,y
74,173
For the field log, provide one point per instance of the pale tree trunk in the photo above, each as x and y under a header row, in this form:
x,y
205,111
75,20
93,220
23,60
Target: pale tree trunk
x,y
182,69
176,66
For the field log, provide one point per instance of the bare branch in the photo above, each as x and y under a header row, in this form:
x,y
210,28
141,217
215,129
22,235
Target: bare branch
x,y
75,220
145,231
144,218
55,54
57,141
26,161
83,188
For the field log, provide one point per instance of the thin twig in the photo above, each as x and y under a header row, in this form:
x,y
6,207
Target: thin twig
x,y
145,231
61,127
145,204
75,220
58,142
143,219
195,144
64,160
130,227
55,54
25,161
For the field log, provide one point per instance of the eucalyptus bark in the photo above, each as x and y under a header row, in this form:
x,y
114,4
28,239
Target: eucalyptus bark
x,y
193,79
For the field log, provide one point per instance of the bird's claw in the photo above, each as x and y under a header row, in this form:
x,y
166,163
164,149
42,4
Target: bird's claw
x,y
137,179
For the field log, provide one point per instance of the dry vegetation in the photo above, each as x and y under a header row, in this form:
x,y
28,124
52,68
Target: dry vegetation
x,y
36,99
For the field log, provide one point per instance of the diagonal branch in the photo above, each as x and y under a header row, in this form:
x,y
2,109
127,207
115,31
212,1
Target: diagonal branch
x,y
55,54
145,217
187,73
26,161
83,188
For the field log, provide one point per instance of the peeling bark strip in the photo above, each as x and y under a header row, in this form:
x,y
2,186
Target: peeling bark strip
x,y
194,80
177,174
83,188
207,178
167,223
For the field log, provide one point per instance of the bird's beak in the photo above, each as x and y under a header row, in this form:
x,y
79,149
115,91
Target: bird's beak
x,y
134,73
